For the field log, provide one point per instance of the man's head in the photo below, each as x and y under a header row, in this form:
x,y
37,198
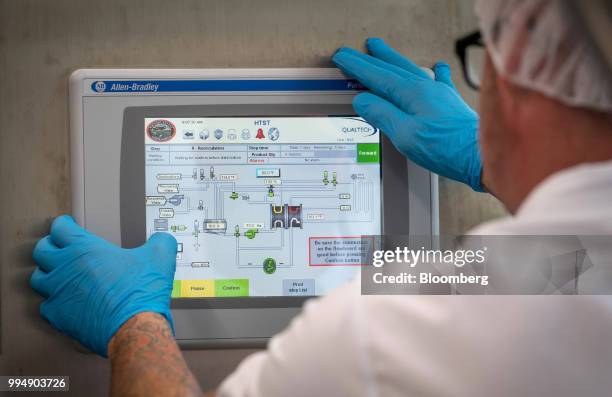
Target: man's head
x,y
542,109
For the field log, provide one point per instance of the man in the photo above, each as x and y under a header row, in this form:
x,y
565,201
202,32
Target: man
x,y
546,142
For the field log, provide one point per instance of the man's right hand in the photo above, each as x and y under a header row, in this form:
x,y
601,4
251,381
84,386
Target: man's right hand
x,y
425,118
91,287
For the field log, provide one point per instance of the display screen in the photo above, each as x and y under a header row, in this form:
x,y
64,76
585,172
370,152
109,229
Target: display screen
x,y
263,206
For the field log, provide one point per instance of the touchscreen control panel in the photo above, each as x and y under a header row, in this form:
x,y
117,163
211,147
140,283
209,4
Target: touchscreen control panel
x,y
263,206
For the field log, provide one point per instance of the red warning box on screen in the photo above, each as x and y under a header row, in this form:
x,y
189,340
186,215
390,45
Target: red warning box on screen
x,y
339,250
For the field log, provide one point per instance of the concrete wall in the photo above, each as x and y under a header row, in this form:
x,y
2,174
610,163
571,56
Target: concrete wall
x,y
41,42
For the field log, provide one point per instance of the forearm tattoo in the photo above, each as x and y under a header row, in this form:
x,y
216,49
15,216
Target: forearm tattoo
x,y
146,360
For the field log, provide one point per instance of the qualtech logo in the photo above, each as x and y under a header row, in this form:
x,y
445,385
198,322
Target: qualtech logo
x,y
358,128
161,130
99,86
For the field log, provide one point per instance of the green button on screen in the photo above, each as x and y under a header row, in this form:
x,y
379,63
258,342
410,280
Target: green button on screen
x,y
368,152
176,289
232,288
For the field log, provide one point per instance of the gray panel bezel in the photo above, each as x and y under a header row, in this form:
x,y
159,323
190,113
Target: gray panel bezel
x,y
413,211
394,180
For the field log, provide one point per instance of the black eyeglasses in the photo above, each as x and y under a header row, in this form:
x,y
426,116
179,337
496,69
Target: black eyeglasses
x,y
471,52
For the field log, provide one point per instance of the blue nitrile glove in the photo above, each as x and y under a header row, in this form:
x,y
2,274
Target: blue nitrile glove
x,y
425,118
91,287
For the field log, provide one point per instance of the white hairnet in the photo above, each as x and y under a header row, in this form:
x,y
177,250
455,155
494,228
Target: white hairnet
x,y
539,45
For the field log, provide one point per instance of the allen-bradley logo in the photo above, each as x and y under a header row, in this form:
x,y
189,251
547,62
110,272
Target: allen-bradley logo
x,y
99,86
125,86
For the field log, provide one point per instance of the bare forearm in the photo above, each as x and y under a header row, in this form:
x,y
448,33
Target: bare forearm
x,y
146,360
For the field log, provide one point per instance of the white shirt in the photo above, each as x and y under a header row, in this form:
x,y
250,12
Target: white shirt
x,y
346,344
